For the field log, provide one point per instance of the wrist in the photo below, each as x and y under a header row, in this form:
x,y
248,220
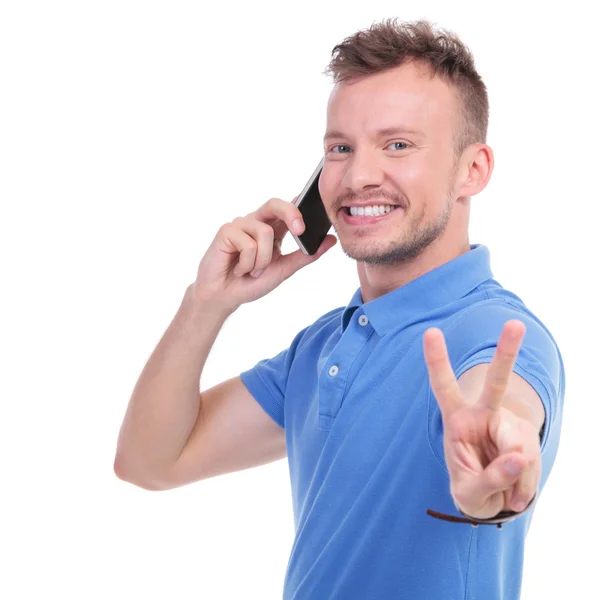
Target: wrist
x,y
199,310
198,304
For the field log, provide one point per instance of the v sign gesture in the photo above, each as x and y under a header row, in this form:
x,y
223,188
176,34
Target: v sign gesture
x,y
492,455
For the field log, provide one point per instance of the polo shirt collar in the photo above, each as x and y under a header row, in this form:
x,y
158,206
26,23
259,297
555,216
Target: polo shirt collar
x,y
434,289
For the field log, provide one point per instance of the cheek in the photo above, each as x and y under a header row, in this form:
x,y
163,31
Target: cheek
x,y
413,179
327,186
422,179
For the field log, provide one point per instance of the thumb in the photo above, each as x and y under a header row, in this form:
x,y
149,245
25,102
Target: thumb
x,y
290,263
501,474
481,496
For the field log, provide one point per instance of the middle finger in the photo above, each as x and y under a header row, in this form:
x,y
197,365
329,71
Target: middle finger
x,y
502,363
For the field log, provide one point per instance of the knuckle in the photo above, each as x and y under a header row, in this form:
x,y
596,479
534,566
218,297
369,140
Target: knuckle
x,y
264,257
266,245
516,445
251,245
265,231
245,260
531,462
263,252
498,382
498,479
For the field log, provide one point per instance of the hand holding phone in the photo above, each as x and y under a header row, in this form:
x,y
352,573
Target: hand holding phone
x,y
316,221
244,261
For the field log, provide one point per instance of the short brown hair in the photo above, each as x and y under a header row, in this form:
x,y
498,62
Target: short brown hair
x,y
389,44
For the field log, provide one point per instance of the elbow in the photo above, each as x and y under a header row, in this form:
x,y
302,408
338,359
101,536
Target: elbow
x,y
146,483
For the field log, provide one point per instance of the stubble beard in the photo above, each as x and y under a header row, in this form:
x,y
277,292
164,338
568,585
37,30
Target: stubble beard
x,y
413,240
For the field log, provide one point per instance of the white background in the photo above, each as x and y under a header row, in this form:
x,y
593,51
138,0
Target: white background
x,y
129,132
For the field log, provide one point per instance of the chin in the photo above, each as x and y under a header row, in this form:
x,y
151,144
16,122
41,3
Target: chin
x,y
370,253
395,252
403,244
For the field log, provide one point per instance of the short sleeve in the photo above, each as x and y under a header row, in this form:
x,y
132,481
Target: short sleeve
x,y
267,380
472,339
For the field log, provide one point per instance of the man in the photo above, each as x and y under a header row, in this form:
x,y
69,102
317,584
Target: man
x,y
434,389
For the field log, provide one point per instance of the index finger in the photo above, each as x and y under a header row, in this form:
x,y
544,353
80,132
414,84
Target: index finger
x,y
441,375
502,364
287,212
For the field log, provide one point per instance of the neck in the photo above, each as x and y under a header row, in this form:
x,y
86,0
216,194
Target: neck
x,y
377,280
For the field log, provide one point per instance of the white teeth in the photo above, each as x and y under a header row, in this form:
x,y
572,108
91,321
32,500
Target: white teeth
x,y
370,211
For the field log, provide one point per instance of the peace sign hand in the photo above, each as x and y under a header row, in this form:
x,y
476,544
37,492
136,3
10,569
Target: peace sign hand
x,y
492,455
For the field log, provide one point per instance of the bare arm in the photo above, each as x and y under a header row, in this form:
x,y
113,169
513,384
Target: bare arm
x,y
232,433
172,432
165,403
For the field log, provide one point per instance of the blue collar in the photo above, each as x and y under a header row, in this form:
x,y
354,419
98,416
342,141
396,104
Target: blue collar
x,y
434,289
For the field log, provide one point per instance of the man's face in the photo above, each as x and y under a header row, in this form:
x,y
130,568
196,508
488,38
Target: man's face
x,y
412,169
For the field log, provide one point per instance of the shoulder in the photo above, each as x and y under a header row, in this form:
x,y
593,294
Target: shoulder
x,y
472,336
487,317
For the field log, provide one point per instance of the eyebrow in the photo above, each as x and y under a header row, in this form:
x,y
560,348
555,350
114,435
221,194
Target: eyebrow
x,y
379,132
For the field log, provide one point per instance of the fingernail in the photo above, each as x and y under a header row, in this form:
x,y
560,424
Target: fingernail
x,y
519,506
297,225
257,273
512,467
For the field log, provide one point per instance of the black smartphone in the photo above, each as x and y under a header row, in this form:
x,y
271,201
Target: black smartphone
x,y
316,221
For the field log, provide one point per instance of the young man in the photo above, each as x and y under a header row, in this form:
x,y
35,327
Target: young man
x,y
434,388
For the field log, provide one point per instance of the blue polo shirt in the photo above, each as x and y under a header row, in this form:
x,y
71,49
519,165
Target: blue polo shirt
x,y
365,441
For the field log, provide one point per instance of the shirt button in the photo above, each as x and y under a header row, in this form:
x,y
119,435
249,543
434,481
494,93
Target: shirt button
x,y
363,320
333,371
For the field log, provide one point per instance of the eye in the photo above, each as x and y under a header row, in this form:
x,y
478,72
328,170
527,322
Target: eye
x,y
339,146
399,143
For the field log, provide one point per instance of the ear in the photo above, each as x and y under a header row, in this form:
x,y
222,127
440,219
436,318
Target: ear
x,y
475,169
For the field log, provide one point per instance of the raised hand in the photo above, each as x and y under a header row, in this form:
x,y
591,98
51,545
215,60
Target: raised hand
x,y
245,262
492,455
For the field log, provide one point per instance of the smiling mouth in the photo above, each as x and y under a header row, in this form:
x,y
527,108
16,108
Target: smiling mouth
x,y
369,211
366,219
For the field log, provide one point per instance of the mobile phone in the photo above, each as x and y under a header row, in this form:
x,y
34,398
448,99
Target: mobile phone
x,y
316,221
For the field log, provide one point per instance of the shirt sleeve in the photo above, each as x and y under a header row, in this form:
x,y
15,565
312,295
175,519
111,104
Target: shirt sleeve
x,y
267,380
472,339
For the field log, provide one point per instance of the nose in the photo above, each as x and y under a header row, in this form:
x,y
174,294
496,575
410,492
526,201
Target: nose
x,y
363,171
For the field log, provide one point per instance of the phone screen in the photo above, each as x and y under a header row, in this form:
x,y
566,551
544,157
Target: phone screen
x,y
316,221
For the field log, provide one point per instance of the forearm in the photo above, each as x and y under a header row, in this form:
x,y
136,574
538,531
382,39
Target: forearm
x,y
165,402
